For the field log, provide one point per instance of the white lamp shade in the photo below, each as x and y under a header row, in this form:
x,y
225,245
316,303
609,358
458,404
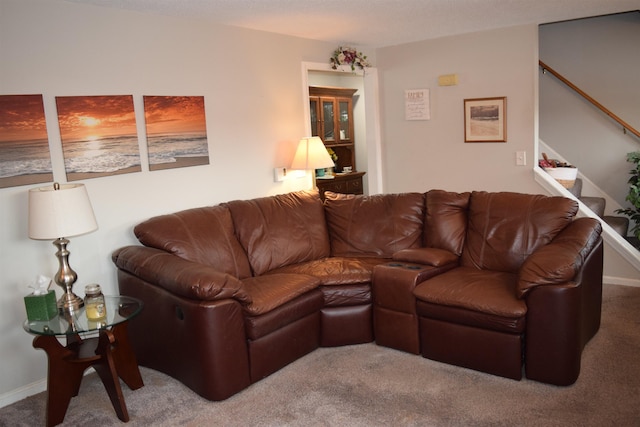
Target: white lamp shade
x,y
63,212
311,154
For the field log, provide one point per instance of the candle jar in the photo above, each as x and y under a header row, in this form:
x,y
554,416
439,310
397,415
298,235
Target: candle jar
x,y
94,305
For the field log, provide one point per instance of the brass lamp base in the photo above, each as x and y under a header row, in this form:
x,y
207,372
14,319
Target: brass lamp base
x,y
69,302
65,278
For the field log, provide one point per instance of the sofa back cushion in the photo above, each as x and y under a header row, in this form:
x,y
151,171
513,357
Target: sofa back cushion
x,y
446,220
378,225
505,228
202,235
281,230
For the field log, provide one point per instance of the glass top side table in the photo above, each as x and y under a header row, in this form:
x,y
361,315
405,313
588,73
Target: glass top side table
x,y
103,345
119,310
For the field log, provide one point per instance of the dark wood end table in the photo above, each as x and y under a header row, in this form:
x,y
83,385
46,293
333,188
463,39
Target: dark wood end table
x,y
102,345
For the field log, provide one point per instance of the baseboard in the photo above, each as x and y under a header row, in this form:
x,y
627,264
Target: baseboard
x,y
23,392
610,280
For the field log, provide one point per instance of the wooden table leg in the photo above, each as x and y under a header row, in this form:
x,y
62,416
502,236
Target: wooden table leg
x,y
125,358
106,370
64,377
110,355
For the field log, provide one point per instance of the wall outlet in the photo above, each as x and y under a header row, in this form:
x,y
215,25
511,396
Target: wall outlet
x,y
280,174
521,158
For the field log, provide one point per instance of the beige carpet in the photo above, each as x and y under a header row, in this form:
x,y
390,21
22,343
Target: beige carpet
x,y
367,385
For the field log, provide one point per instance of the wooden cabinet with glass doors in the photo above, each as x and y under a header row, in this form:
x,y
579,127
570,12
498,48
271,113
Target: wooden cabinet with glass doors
x,y
332,120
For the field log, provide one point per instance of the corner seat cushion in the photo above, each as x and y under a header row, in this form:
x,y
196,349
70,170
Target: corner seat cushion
x,y
344,281
505,228
274,290
336,270
202,235
280,230
472,297
376,226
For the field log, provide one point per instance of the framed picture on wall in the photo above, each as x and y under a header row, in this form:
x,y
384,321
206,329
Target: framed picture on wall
x,y
485,119
99,135
176,131
24,144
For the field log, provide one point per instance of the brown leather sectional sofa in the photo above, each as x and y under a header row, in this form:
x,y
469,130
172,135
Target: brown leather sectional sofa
x,y
495,282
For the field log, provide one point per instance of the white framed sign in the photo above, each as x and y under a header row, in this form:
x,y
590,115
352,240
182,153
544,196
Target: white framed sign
x,y
416,104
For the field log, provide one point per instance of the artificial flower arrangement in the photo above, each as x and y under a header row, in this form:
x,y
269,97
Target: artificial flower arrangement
x,y
348,56
332,154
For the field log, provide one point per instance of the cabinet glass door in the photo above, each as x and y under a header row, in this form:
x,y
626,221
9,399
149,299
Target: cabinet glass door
x,y
345,131
315,120
328,121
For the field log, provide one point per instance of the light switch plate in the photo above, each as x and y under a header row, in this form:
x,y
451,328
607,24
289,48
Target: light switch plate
x,y
521,158
448,80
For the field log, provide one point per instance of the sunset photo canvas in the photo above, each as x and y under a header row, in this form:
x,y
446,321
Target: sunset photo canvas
x,y
99,135
176,131
24,145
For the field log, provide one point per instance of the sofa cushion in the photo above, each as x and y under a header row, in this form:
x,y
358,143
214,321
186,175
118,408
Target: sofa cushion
x,y
427,256
505,228
302,306
202,235
346,295
336,270
274,290
446,220
344,281
281,230
376,225
472,297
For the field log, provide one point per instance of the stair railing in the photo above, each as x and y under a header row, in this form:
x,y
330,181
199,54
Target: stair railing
x,y
625,126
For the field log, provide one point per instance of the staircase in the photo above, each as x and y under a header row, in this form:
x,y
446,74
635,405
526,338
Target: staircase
x,y
591,206
621,251
620,224
626,248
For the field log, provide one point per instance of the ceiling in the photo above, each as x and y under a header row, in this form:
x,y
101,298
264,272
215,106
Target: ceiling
x,y
374,23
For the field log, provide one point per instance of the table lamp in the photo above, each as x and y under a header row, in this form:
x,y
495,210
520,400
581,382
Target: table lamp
x,y
311,154
58,212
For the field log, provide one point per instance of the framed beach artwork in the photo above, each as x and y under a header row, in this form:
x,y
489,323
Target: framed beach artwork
x,y
176,131
99,135
485,119
24,145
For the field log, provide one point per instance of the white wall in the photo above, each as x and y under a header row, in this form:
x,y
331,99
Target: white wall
x,y
419,155
252,86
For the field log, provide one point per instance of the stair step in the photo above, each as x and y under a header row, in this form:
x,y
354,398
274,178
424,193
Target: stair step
x,y
576,190
619,223
635,242
596,204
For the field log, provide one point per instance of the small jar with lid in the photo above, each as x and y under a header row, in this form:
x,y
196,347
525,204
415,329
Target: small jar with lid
x,y
94,305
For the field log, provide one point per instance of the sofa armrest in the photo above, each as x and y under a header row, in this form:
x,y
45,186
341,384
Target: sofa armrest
x,y
561,260
179,276
426,256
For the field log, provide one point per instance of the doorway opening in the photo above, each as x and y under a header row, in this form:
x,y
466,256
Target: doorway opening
x,y
365,112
